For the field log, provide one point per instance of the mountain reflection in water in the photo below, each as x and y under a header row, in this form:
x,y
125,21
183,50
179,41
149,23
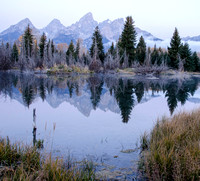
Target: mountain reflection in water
x,y
90,116
88,93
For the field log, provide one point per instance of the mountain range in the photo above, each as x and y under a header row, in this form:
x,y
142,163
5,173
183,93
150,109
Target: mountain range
x,y
83,29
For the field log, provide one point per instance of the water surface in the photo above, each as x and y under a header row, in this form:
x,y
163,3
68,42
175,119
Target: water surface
x,y
95,117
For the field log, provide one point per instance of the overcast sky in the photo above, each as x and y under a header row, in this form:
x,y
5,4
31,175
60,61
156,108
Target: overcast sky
x,y
158,17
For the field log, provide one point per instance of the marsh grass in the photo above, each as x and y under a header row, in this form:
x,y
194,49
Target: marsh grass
x,y
26,163
172,150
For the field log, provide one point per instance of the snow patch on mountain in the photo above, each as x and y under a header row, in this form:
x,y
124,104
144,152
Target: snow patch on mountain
x,y
53,28
83,29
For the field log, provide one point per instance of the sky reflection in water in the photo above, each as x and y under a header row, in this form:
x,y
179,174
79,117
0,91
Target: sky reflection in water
x,y
94,116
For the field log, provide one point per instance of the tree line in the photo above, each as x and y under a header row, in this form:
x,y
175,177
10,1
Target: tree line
x,y
28,54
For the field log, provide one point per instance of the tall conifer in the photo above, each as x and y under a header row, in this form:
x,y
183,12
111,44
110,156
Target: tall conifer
x,y
42,45
186,56
127,41
196,61
28,42
15,53
97,39
141,50
71,49
77,50
174,49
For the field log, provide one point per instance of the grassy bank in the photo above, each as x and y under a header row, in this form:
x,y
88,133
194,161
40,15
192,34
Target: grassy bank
x,y
172,150
26,163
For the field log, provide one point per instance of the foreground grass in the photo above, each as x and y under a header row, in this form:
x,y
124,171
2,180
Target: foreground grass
x,y
172,150
26,163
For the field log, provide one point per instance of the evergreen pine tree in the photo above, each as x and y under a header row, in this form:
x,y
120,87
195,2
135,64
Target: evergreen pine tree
x,y
52,48
28,42
8,53
161,56
112,50
48,48
174,49
141,51
128,40
42,45
97,39
196,61
186,54
70,49
15,53
77,51
154,55
35,50
70,52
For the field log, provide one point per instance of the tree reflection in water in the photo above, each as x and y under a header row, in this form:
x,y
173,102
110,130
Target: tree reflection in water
x,y
126,92
95,85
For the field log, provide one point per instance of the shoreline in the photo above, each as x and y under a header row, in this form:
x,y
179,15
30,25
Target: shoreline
x,y
170,74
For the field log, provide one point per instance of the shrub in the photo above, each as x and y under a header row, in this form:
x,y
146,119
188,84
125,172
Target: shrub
x,y
95,66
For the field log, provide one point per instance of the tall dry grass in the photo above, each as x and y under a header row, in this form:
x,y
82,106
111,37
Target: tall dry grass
x,y
172,150
27,164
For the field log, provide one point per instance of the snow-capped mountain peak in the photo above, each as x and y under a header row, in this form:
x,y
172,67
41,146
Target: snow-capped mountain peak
x,y
87,17
20,27
25,22
55,22
53,28
84,28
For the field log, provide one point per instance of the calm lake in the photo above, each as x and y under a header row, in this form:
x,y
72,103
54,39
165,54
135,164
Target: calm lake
x,y
94,117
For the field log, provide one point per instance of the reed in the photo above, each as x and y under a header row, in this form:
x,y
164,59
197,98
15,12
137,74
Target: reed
x,y
18,162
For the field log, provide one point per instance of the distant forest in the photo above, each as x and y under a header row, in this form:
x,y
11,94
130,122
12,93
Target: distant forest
x,y
27,54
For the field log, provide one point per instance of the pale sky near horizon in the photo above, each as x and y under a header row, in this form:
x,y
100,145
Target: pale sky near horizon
x,y
158,17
